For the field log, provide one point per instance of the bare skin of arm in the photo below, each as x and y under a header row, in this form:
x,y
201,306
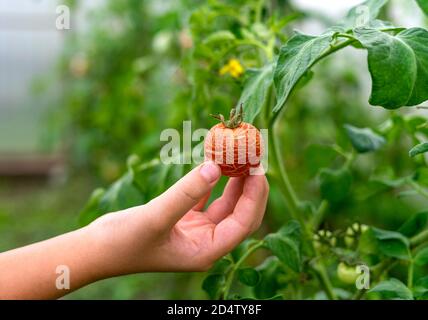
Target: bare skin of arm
x,y
172,232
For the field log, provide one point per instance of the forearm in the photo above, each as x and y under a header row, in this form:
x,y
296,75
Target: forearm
x,y
31,272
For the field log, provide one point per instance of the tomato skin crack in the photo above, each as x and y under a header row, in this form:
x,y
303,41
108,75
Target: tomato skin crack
x,y
234,145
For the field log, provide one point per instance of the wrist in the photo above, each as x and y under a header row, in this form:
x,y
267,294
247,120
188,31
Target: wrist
x,y
112,245
99,257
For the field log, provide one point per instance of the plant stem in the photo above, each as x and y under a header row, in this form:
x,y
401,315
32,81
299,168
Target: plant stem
x,y
295,211
267,52
258,11
419,238
340,151
333,49
267,106
324,279
417,188
396,29
236,266
251,42
319,215
359,294
288,191
410,274
286,187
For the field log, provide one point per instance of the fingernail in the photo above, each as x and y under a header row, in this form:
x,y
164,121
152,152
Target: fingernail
x,y
210,171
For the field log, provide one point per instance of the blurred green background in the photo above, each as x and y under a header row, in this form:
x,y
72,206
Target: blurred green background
x,y
129,69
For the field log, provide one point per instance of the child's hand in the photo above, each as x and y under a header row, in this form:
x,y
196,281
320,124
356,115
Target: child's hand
x,y
170,233
174,233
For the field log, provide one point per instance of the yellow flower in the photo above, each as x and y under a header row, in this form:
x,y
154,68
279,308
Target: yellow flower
x,y
233,67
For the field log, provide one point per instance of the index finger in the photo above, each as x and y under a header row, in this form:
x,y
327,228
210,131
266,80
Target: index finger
x,y
245,218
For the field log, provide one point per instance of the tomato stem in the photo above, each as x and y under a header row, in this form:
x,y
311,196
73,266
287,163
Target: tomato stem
x,y
235,118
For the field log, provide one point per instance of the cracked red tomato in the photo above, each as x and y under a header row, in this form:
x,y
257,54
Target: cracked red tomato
x,y
236,146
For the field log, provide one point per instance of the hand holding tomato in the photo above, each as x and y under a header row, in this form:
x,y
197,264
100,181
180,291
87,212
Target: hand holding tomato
x,y
173,232
170,233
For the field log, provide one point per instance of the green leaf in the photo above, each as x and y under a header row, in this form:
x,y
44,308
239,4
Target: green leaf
x,y
129,190
339,292
364,139
423,4
291,229
133,161
153,178
417,40
421,176
389,182
296,57
219,36
247,34
418,149
391,243
370,189
249,276
213,284
335,184
242,248
393,289
354,17
304,79
256,91
91,210
237,297
268,284
261,30
404,54
414,224
387,57
221,266
416,124
276,297
368,243
421,258
215,281
420,289
122,194
285,244
286,250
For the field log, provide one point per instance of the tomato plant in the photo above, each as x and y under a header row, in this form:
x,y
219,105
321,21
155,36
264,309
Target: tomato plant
x,y
244,52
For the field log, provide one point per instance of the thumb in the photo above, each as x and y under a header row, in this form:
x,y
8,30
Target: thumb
x,y
170,206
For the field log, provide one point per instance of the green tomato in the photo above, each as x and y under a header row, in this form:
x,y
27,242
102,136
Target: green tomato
x,y
346,274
